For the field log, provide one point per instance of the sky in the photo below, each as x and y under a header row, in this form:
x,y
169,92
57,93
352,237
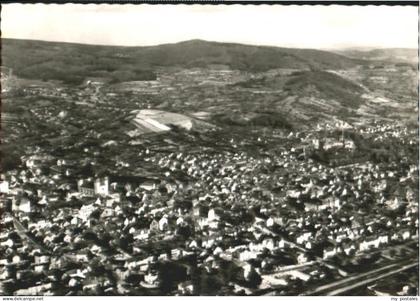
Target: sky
x,y
322,27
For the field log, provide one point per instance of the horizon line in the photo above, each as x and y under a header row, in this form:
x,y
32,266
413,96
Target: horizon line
x,y
361,48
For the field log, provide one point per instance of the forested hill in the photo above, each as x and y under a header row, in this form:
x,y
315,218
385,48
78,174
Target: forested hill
x,y
72,63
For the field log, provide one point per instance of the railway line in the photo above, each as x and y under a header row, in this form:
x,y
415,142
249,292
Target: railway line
x,y
341,286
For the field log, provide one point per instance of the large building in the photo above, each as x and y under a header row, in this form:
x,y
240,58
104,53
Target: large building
x,y
113,184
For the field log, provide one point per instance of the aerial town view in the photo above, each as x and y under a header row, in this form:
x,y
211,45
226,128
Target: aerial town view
x,y
204,168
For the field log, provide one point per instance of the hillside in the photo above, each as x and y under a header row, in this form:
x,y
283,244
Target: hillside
x,y
295,99
231,84
326,85
72,63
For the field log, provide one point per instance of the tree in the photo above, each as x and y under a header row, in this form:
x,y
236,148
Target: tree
x,y
170,274
392,253
253,279
9,161
210,284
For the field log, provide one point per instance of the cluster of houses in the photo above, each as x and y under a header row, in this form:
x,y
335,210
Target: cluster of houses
x,y
276,220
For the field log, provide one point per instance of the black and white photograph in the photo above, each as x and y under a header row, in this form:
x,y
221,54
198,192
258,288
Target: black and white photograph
x,y
209,150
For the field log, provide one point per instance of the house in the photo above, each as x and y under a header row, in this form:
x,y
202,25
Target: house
x,y
186,288
6,274
101,186
200,210
34,290
294,194
154,225
312,206
383,239
332,143
151,280
41,268
271,280
282,244
141,235
163,223
76,221
85,187
349,144
85,211
217,251
302,258
303,238
406,235
8,243
82,256
4,187
148,185
337,203
202,222
4,262
115,198
33,161
247,255
270,222
369,243
180,220
208,243
299,275
214,224
77,273
349,249
43,259
57,263
22,204
214,214
163,257
193,244
330,252
176,254
269,243
108,212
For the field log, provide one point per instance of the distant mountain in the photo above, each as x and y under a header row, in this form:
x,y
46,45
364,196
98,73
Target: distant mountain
x,y
242,57
396,55
72,63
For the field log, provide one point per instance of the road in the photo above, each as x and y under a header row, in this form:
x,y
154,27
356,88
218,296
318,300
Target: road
x,y
22,232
